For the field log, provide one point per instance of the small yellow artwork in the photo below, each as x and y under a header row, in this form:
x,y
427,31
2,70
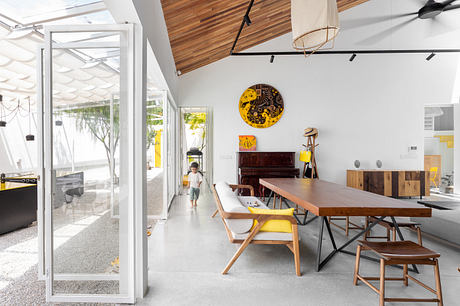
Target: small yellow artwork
x,y
247,143
261,106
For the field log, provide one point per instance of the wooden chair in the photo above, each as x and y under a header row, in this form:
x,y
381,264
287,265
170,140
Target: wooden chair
x,y
389,225
251,238
347,227
433,179
399,253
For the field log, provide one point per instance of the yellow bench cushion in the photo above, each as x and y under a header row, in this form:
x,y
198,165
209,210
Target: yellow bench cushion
x,y
283,226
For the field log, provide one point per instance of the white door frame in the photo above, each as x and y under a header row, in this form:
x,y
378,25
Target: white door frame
x,y
135,93
41,165
209,139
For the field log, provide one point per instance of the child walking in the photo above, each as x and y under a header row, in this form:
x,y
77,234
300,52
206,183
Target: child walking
x,y
195,178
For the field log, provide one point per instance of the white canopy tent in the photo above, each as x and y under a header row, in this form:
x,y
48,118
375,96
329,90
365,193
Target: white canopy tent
x,y
80,76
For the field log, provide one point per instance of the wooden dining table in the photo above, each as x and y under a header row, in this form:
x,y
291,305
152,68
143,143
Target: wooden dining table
x,y
325,199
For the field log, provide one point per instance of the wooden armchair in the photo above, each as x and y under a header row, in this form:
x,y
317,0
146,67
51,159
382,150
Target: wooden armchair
x,y
252,235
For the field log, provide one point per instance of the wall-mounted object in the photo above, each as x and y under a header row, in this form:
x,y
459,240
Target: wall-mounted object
x,y
247,143
314,23
261,106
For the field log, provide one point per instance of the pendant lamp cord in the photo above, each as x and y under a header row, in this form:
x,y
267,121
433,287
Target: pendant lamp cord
x,y
29,117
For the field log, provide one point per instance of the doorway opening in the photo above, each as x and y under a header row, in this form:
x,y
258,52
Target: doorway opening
x,y
195,143
439,147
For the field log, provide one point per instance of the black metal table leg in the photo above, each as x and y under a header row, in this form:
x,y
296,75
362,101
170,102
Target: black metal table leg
x,y
320,243
269,198
285,203
328,226
320,263
305,222
305,216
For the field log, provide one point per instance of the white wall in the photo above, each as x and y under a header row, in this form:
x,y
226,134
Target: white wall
x,y
368,109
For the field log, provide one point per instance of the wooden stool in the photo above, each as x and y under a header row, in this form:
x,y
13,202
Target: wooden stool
x,y
347,227
391,228
399,253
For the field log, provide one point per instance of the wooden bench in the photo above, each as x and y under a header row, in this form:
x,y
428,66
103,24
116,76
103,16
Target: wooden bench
x,y
253,235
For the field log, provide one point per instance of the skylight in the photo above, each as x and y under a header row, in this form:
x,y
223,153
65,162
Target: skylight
x,y
24,10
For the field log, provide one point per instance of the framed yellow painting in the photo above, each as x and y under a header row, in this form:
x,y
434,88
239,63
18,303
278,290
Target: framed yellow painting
x,y
247,143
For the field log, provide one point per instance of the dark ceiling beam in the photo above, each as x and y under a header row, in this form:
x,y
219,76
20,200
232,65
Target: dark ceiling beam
x,y
321,52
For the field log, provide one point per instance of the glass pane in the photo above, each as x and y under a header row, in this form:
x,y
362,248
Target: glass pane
x,y
154,113
89,239
28,8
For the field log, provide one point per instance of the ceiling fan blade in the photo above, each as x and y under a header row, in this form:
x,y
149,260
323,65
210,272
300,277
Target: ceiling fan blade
x,y
451,7
383,34
447,2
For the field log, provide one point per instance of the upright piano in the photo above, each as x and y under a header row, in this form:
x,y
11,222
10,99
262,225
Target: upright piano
x,y
255,165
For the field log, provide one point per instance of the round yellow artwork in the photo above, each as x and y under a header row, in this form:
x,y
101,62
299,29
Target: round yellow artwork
x,y
261,106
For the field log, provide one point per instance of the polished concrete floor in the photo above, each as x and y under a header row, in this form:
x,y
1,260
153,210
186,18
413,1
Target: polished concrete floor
x,y
188,252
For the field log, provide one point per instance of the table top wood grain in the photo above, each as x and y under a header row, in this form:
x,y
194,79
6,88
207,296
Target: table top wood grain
x,y
324,198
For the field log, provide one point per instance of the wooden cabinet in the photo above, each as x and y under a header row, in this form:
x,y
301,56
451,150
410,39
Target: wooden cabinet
x,y
391,183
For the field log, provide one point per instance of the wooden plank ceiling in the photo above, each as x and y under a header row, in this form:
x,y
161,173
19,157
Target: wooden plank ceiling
x,y
203,31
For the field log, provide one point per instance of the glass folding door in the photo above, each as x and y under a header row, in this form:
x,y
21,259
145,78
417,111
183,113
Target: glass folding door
x,y
88,163
171,127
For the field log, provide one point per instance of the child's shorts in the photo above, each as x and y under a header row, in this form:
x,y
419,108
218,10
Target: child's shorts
x,y
194,193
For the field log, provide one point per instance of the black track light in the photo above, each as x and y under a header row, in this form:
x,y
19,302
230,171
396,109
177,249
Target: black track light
x,y
352,57
247,20
272,58
430,56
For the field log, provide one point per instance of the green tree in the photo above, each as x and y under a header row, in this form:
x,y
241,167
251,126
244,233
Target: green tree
x,y
197,121
96,120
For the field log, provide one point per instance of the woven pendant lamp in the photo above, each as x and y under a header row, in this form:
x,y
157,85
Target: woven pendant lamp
x,y
314,23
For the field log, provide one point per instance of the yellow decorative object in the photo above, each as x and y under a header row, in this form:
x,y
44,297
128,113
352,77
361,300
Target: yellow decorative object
x,y
435,171
247,143
116,262
261,106
158,149
282,226
305,156
185,180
